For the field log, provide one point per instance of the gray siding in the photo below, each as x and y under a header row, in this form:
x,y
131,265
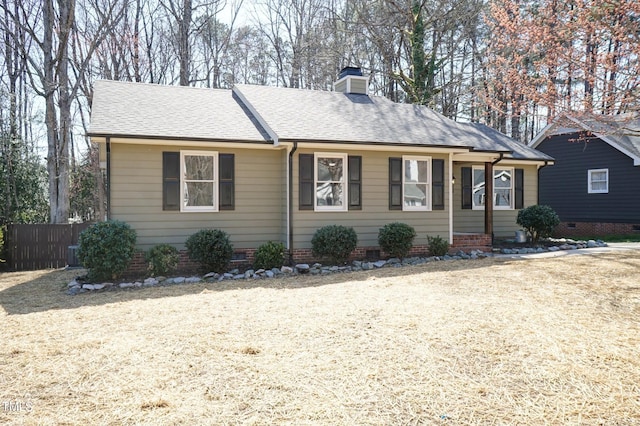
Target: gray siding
x,y
564,185
504,221
375,211
136,197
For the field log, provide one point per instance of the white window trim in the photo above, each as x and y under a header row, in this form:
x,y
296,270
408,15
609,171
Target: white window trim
x,y
493,198
590,189
191,209
345,184
426,208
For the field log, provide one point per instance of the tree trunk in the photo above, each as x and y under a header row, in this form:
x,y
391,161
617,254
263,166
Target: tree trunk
x,y
185,53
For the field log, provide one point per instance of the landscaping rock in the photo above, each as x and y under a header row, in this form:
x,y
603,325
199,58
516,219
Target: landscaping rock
x,y
74,290
78,285
302,268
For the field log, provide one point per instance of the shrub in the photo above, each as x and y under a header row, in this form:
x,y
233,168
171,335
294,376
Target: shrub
x,y
269,255
437,246
334,242
163,259
396,239
106,249
211,248
539,221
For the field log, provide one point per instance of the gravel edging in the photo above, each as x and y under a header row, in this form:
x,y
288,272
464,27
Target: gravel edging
x,y
79,285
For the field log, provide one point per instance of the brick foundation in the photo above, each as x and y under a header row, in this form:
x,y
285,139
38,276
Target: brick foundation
x,y
469,242
245,257
595,229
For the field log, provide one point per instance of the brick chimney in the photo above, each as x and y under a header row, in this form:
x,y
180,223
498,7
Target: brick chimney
x,y
351,80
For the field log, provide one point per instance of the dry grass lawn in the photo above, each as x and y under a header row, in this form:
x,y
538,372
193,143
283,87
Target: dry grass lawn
x,y
487,342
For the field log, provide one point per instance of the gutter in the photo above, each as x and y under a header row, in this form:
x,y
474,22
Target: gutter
x,y
498,160
290,202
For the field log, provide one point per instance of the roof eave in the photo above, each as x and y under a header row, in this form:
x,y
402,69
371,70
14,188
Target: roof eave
x,y
174,138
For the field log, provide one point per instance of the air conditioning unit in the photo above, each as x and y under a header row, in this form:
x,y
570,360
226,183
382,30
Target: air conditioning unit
x,y
72,257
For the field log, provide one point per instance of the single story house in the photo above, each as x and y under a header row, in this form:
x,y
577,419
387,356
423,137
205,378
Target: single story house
x,y
595,182
275,164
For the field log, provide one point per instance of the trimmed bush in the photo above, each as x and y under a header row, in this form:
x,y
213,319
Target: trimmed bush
x,y
334,242
211,248
269,255
396,239
106,249
163,259
437,246
539,221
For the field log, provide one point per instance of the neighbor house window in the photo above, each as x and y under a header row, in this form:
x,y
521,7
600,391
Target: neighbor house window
x,y
503,188
416,182
330,186
598,180
198,170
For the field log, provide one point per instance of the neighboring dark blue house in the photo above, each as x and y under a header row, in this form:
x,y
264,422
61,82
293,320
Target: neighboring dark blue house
x,y
594,185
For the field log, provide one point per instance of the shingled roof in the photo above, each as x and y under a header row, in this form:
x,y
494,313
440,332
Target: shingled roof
x,y
274,114
172,112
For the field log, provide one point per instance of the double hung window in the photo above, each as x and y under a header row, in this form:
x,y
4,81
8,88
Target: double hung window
x,y
598,181
503,188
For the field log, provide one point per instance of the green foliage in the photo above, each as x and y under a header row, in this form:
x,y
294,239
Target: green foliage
x,y
211,248
437,246
334,242
539,221
23,183
163,259
269,255
396,239
83,192
106,249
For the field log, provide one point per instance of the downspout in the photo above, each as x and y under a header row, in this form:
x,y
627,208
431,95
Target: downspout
x,y
108,188
450,198
290,202
546,163
498,160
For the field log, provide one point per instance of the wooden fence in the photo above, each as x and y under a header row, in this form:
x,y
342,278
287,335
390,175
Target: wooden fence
x,y
40,246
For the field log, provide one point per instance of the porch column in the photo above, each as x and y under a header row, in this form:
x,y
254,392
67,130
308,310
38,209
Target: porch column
x,y
488,199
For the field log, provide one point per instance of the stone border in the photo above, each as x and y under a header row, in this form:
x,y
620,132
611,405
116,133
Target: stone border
x,y
78,286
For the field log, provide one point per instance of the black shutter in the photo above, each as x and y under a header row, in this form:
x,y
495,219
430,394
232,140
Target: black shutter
x,y
305,164
226,182
519,189
355,182
170,181
467,188
395,183
437,179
